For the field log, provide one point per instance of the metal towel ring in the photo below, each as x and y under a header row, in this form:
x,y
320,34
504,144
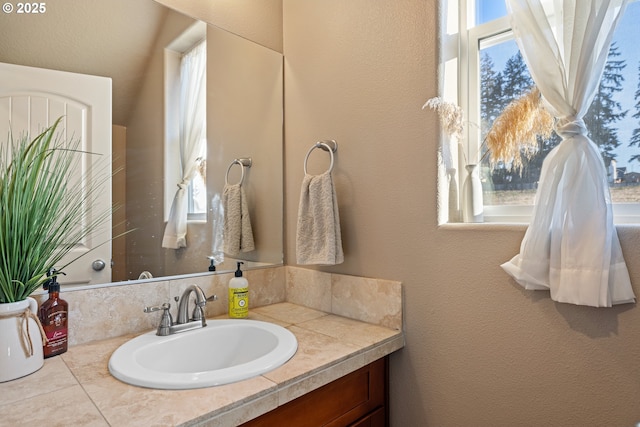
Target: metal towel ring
x,y
327,145
244,163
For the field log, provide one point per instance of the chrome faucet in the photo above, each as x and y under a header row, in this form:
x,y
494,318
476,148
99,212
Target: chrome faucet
x,y
198,310
183,323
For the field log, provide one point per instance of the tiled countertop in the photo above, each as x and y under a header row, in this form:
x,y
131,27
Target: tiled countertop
x,y
77,389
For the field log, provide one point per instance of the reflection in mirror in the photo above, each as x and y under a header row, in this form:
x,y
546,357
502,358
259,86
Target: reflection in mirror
x,y
132,42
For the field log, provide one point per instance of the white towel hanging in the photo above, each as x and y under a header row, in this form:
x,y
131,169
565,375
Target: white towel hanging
x,y
318,237
237,230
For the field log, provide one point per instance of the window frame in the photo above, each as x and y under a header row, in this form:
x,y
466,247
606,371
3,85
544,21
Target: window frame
x,y
470,37
173,52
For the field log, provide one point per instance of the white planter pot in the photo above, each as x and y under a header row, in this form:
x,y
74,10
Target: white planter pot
x,y
16,359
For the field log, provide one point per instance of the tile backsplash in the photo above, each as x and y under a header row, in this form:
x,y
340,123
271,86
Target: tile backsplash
x,y
376,301
106,312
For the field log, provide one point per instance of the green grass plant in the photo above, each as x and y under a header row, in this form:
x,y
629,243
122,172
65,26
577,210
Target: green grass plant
x,y
43,215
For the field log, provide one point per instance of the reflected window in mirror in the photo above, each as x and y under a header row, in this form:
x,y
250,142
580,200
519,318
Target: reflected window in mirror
x,y
198,190
192,66
185,118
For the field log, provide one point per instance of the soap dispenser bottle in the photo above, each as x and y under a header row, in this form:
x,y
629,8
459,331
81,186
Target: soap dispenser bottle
x,y
53,315
238,295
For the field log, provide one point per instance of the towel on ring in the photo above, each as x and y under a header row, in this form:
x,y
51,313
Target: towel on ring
x,y
318,239
237,232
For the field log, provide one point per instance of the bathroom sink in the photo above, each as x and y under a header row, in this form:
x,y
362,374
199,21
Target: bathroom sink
x,y
224,351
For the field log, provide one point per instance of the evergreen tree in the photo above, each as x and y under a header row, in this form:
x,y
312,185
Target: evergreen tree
x,y
517,79
635,137
605,111
491,99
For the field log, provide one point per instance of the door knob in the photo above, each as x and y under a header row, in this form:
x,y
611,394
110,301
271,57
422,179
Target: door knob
x,y
98,265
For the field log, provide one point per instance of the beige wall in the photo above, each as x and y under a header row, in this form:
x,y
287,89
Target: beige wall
x,y
244,119
119,198
480,351
145,185
260,21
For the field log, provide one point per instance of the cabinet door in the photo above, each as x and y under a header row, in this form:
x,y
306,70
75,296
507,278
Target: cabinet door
x,y
375,419
337,404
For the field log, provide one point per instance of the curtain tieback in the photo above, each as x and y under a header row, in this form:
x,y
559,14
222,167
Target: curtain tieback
x,y
183,185
569,126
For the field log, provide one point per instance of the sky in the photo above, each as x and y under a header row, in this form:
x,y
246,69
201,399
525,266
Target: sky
x,y
626,39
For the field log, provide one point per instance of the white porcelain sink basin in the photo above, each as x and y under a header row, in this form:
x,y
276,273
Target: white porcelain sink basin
x,y
224,351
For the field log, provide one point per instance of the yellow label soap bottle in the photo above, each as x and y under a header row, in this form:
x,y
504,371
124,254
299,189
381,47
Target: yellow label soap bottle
x,y
238,295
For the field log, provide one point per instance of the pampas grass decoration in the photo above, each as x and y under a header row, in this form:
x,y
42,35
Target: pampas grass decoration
x,y
514,133
450,115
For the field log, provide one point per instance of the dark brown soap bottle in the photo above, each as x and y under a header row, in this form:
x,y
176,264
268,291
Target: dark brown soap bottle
x,y
53,316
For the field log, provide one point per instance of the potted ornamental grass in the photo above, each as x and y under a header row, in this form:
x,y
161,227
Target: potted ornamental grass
x,y
42,218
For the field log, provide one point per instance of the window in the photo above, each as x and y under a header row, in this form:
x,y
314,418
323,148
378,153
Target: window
x,y
491,73
188,48
197,206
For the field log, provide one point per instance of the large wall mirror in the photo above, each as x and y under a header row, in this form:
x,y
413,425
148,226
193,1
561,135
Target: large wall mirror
x,y
131,41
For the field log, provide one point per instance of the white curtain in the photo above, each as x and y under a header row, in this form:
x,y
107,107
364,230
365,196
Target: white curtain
x,y
571,246
192,141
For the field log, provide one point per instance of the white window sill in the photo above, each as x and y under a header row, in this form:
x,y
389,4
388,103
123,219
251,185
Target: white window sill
x,y
518,217
196,218
484,226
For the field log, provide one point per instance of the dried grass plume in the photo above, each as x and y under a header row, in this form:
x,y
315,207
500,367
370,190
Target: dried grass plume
x,y
514,133
450,114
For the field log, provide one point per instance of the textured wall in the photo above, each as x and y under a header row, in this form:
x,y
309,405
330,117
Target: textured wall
x,y
145,185
244,119
259,21
480,351
109,38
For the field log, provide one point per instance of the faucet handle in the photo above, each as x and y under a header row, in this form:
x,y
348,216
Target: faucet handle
x,y
166,321
202,303
165,306
198,310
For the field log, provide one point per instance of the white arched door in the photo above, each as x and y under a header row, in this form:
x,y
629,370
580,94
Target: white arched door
x,y
31,99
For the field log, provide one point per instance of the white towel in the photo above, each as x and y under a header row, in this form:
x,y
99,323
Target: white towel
x,y
318,239
238,235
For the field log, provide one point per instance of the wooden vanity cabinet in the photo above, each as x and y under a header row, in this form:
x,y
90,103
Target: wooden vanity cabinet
x,y
358,399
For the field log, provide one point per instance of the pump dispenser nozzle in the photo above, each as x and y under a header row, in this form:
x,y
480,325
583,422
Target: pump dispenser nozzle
x,y
238,271
52,280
